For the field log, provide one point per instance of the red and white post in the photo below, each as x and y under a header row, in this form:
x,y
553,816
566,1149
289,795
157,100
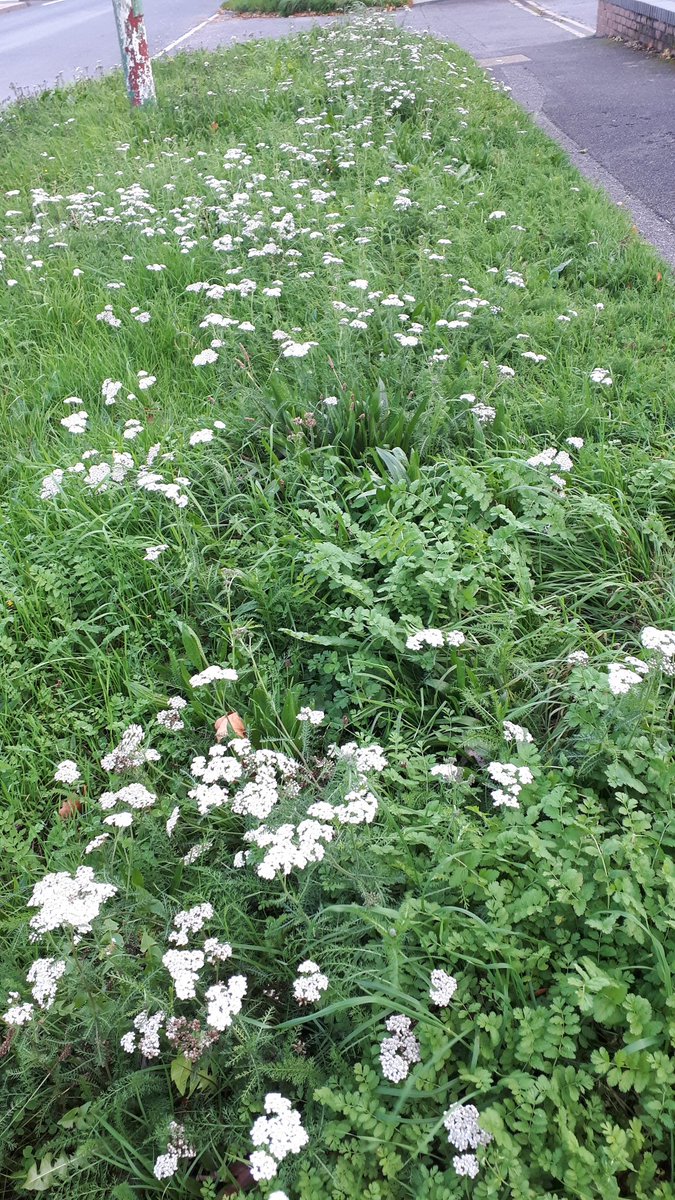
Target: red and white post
x,y
135,53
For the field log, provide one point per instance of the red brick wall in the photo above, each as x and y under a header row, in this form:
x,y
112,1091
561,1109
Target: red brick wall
x,y
653,34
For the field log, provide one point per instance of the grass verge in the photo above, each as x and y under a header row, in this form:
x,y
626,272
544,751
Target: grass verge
x,y
375,400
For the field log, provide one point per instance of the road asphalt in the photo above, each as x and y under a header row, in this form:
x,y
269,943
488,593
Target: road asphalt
x,y
610,107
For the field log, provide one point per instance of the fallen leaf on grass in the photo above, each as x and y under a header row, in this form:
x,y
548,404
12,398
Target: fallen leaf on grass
x,y
70,808
229,726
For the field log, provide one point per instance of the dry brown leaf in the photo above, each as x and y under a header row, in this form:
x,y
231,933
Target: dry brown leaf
x,y
229,726
70,808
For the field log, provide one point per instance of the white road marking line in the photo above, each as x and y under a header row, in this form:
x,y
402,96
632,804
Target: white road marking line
x,y
48,3
565,23
195,29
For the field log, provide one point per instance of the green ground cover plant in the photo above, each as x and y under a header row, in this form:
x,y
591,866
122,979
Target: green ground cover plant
x,y
289,8
334,403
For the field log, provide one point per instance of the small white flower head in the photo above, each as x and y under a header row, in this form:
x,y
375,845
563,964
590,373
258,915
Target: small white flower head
x,y
190,921
128,754
434,638
262,1165
44,976
466,1164
484,413
172,821
145,381
51,484
170,718
76,422
70,902
600,375
275,1136
166,1165
512,778
110,389
212,675
152,553
146,1036
96,843
463,1129
442,989
621,679
120,820
201,435
289,846
134,795
662,643
310,983
576,443
178,1147
184,967
577,658
18,1014
224,1001
517,733
67,772
314,716
399,1052
204,358
449,771
277,1195
215,951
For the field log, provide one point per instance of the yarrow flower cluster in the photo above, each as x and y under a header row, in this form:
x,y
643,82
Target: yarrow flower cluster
x,y
134,795
448,771
178,1147
144,1035
184,967
310,983
190,921
517,733
399,1052
314,716
512,778
601,375
442,989
662,643
128,755
170,718
270,774
224,1001
464,1133
435,638
67,772
289,846
621,679
44,976
67,901
212,675
279,1133
359,808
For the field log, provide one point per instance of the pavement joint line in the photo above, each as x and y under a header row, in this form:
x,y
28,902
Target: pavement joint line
x,y
185,36
506,60
577,28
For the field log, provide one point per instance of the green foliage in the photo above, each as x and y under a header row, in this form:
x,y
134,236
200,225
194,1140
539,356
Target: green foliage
x,y
317,538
